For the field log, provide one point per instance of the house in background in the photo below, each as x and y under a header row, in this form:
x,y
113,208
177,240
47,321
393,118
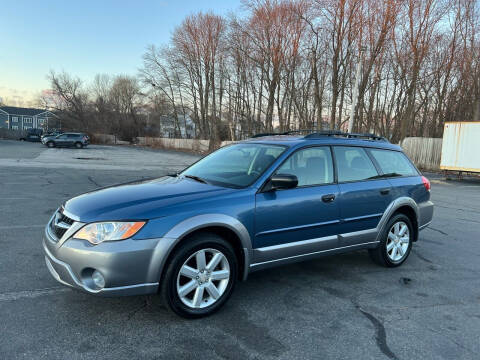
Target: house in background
x,y
18,118
186,126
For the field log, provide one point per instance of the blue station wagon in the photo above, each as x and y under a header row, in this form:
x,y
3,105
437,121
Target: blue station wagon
x,y
258,203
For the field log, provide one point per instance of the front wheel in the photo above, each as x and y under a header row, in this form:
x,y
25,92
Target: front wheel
x,y
51,144
200,276
78,145
395,243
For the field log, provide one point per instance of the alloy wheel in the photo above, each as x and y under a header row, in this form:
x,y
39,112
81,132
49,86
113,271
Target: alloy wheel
x,y
203,278
398,241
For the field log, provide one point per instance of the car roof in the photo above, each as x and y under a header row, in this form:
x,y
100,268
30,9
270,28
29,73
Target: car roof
x,y
300,141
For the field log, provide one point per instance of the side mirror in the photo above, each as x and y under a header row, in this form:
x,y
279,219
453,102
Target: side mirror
x,y
282,181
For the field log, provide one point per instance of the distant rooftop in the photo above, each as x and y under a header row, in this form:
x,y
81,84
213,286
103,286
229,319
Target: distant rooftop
x,y
13,110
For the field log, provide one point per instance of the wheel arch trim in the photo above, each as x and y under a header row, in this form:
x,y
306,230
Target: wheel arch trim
x,y
392,208
177,233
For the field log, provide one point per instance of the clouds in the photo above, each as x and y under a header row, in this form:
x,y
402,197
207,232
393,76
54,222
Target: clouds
x,y
18,97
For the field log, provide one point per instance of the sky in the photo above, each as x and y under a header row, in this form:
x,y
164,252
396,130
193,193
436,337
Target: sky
x,y
84,38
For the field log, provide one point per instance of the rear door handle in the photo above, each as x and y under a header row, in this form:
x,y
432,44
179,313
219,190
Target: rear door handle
x,y
328,198
385,191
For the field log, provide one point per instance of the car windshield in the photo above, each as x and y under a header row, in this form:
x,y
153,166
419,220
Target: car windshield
x,y
236,165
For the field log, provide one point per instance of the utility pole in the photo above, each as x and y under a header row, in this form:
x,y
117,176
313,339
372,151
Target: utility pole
x,y
355,89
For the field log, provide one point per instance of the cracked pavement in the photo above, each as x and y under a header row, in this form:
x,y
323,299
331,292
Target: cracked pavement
x,y
337,307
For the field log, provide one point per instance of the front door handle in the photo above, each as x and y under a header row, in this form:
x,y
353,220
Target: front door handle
x,y
385,191
328,198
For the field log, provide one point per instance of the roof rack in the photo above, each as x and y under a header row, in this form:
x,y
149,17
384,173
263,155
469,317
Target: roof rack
x,y
291,132
367,136
312,134
266,134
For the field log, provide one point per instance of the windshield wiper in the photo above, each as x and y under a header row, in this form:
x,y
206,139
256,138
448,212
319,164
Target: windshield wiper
x,y
173,175
196,178
393,174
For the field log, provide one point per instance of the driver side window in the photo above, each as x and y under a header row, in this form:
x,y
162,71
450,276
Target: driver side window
x,y
311,166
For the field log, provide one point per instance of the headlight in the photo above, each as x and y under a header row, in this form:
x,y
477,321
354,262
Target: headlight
x,y
96,233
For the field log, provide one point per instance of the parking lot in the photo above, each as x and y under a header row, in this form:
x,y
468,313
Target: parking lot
x,y
337,307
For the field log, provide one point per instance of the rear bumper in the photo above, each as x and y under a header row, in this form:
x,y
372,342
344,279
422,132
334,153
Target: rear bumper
x,y
425,214
127,265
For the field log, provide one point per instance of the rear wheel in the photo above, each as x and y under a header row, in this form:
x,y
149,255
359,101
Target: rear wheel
x,y
78,145
396,242
50,144
200,276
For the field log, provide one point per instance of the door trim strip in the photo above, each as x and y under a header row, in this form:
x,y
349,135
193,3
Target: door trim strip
x,y
296,243
298,227
363,217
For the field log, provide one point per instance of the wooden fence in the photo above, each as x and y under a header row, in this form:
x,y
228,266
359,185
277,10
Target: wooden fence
x,y
194,145
424,152
180,144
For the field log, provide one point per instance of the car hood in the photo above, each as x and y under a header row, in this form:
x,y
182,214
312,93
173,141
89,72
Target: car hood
x,y
139,200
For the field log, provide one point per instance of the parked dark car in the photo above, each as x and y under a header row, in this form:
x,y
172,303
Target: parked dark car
x,y
248,206
77,140
32,135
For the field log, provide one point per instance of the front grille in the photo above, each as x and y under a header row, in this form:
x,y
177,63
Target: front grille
x,y
60,224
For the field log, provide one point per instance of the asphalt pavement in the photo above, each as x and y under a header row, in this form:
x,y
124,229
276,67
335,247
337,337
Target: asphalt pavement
x,y
337,307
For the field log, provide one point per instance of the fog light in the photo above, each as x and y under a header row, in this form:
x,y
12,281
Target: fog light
x,y
98,279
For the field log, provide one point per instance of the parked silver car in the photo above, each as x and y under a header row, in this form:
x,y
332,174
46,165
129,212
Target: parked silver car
x,y
77,140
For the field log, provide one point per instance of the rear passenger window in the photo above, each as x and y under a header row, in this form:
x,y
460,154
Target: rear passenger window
x,y
312,166
393,162
353,164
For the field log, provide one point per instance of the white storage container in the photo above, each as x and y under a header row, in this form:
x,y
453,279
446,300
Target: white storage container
x,y
461,146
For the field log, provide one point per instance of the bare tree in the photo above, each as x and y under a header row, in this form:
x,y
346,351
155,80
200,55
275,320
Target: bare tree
x,y
70,98
125,98
287,65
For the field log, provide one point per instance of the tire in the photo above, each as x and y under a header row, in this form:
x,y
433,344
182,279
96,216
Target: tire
x,y
51,144
199,302
78,145
396,243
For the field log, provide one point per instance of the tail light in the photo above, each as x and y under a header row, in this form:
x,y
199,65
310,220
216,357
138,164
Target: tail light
x,y
426,183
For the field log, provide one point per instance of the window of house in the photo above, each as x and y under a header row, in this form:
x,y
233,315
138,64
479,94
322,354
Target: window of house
x,y
14,119
14,127
28,120
311,166
393,162
353,164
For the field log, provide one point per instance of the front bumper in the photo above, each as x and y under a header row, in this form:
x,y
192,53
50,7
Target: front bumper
x,y
128,266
